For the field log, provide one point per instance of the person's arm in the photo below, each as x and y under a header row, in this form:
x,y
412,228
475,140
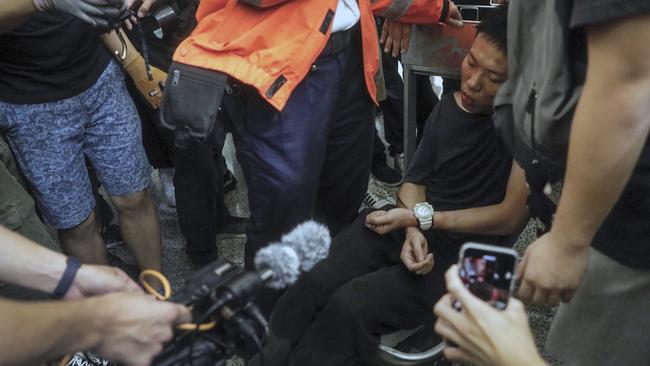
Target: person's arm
x,y
124,327
504,218
481,334
94,12
14,12
25,263
609,130
419,11
134,65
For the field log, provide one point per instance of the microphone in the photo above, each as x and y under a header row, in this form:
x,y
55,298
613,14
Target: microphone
x,y
311,241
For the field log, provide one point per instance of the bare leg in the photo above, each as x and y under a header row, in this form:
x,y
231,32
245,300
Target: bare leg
x,y
140,228
84,241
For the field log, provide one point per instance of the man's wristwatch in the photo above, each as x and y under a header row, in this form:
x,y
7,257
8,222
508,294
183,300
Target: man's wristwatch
x,y
423,212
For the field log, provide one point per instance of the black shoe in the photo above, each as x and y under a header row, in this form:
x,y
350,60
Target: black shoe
x,y
231,225
229,182
385,174
112,236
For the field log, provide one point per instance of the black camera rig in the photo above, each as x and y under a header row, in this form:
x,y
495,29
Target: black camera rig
x,y
220,295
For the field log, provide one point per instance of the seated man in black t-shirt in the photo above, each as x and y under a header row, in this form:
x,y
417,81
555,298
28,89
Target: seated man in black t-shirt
x,y
335,313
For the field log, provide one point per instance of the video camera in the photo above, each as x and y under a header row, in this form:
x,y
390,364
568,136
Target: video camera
x,y
221,296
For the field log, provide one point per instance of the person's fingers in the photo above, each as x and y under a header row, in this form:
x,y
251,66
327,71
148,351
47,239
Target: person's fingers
x,y
378,218
388,40
554,298
397,39
454,18
384,31
427,265
184,315
567,295
458,290
525,292
144,8
406,38
458,354
540,296
417,250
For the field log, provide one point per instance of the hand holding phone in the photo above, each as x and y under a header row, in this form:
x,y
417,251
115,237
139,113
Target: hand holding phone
x,y
488,271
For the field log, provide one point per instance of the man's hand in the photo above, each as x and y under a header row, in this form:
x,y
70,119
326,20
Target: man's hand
x,y
383,222
483,335
94,280
133,327
414,252
395,37
151,90
143,10
551,269
97,13
454,18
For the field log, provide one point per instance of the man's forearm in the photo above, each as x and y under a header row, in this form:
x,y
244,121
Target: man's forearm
x,y
113,44
36,332
25,263
505,218
409,194
609,130
14,12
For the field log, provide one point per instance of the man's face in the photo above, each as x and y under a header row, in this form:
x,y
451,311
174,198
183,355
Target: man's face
x,y
482,72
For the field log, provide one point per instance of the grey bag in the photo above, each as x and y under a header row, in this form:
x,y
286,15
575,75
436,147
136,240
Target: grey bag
x,y
535,106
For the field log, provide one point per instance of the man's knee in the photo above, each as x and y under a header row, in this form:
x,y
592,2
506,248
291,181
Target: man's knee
x,y
82,229
132,203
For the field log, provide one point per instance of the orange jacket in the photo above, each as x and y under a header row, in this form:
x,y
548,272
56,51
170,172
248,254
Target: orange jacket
x,y
273,48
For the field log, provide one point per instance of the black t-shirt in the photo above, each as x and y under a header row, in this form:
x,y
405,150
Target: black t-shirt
x,y
625,234
49,57
462,164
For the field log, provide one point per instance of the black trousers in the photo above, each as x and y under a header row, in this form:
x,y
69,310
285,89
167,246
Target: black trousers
x,y
198,183
393,106
312,159
335,314
198,179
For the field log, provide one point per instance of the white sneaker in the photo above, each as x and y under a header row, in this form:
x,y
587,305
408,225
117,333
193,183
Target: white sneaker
x,y
87,359
167,186
374,201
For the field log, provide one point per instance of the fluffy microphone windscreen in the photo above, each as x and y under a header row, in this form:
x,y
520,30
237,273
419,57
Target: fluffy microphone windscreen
x,y
311,241
283,261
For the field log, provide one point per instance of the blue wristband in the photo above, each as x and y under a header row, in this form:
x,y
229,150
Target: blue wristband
x,y
71,268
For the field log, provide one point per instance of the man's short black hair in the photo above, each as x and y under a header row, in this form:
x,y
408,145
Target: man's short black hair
x,y
494,27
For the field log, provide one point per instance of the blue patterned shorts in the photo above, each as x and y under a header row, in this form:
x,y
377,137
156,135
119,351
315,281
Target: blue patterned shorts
x,y
50,141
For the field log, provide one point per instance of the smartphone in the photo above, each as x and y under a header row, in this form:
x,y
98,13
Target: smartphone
x,y
488,271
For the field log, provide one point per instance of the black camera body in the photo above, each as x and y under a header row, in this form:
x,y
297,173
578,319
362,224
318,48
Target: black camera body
x,y
220,292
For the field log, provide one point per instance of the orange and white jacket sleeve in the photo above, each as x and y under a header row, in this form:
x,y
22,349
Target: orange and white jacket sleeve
x,y
412,11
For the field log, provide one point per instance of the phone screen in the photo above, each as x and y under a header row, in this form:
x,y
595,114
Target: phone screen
x,y
488,275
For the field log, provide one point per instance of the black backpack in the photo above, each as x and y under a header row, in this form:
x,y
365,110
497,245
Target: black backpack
x,y
535,106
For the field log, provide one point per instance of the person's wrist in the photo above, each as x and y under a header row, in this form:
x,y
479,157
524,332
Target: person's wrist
x,y
572,238
408,218
410,230
67,278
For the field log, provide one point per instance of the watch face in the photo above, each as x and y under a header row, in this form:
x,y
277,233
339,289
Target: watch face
x,y
423,211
